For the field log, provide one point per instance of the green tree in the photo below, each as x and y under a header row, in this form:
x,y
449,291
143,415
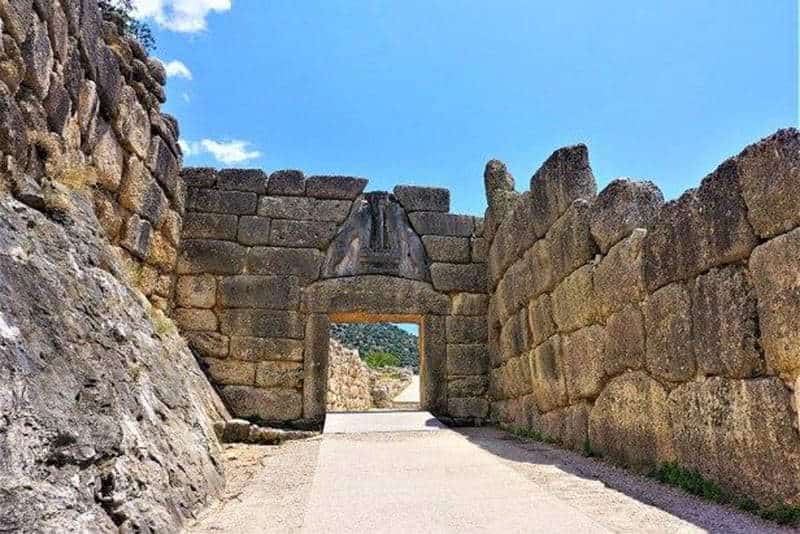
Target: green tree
x,y
380,359
119,13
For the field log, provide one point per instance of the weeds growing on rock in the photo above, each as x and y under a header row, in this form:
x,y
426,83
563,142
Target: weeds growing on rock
x,y
693,482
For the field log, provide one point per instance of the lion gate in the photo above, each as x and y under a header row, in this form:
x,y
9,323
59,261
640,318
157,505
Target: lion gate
x,y
268,262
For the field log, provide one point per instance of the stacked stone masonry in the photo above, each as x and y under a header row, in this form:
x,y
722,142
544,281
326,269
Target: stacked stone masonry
x,y
349,388
265,262
79,108
654,331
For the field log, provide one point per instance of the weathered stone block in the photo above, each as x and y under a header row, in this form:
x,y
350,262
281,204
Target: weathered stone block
x,y
200,177
583,354
769,174
255,291
468,386
468,407
259,349
171,224
625,346
209,256
573,301
229,371
415,198
231,202
209,226
449,277
190,319
286,182
161,253
268,404
279,374
571,244
108,158
132,123
619,277
670,353
513,237
253,180
305,263
165,168
137,235
469,304
462,329
208,344
377,294
569,425
540,319
547,375
253,230
467,359
255,322
304,208
622,207
38,57
437,223
725,324
303,234
433,391
630,421
479,250
315,365
514,336
739,433
774,271
447,249
335,187
542,268
511,289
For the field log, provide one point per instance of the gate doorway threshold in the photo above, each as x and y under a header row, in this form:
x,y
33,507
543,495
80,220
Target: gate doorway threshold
x,y
381,421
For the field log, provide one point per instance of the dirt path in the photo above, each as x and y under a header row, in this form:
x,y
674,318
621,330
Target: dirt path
x,y
439,480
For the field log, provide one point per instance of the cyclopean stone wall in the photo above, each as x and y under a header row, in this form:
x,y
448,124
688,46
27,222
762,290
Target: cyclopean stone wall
x,y
349,381
266,261
654,331
79,109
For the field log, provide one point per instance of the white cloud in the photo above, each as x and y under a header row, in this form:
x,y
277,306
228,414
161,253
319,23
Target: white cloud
x,y
178,69
226,152
185,16
186,97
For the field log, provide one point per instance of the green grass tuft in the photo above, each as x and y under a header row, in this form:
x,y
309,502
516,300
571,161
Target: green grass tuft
x,y
534,435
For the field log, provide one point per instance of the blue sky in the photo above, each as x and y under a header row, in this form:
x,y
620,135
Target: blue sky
x,y
425,92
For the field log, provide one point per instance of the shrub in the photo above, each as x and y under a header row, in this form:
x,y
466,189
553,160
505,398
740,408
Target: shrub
x,y
379,359
118,12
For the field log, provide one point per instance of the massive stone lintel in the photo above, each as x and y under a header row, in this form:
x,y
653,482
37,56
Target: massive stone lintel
x,y
377,239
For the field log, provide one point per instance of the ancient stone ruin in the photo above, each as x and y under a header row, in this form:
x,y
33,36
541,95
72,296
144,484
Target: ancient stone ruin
x,y
648,331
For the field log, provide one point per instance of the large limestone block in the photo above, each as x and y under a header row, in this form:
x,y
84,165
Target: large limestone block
x,y
467,386
479,249
191,319
451,277
257,349
517,413
303,234
740,433
230,202
166,168
725,324
209,226
257,322
210,256
109,159
467,359
38,57
769,174
375,294
468,407
497,182
571,244
563,178
515,234
774,271
315,366
253,230
253,180
279,374
540,319
268,404
257,291
515,288
228,371
540,260
201,177
302,262
208,344
573,301
335,187
625,347
140,193
286,182
547,375
161,253
630,421
515,337
447,249
619,277
132,123
433,338
569,425
137,236
469,304
462,329
437,223
620,208
668,318
583,354
415,198
304,208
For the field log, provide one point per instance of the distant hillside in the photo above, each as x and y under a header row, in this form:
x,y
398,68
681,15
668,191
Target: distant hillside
x,y
379,336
